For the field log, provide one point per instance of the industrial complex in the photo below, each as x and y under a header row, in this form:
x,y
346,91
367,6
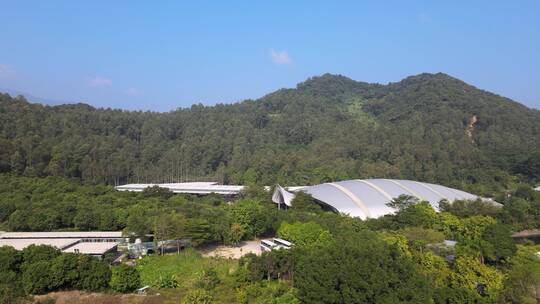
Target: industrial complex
x,y
363,198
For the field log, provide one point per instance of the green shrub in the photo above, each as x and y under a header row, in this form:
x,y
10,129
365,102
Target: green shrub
x,y
37,278
167,282
208,280
125,278
198,296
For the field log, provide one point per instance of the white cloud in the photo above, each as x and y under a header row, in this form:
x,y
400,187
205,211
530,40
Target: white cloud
x,y
133,92
280,57
7,73
99,82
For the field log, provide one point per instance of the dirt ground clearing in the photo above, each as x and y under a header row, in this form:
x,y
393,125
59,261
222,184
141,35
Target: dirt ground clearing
x,y
78,297
233,252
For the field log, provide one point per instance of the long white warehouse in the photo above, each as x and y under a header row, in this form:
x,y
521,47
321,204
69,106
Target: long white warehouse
x,y
93,243
189,188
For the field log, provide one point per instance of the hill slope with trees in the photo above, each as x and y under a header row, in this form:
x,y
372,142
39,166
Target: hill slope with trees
x,y
429,127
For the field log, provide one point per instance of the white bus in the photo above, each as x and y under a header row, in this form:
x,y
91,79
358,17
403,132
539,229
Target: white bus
x,y
267,245
283,243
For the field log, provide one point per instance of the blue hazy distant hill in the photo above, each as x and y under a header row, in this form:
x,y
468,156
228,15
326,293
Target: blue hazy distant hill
x,y
35,99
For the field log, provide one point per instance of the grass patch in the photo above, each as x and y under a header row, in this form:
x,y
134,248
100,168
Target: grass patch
x,y
354,107
186,269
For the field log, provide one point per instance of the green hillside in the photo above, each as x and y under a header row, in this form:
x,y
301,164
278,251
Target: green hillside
x,y
429,127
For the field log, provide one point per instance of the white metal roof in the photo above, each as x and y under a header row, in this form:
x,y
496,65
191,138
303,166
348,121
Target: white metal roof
x,y
168,185
189,188
367,198
268,243
295,188
283,242
95,248
61,235
20,244
281,195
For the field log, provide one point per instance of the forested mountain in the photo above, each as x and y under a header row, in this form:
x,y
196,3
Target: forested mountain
x,y
429,127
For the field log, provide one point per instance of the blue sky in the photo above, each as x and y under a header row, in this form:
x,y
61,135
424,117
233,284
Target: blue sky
x,y
160,55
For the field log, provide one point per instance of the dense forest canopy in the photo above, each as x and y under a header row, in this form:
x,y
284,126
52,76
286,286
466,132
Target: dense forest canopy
x,y
429,127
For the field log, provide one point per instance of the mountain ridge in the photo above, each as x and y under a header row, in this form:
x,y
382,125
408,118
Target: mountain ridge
x,y
318,80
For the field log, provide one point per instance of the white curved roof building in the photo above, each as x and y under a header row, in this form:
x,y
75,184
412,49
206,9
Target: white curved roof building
x,y
367,198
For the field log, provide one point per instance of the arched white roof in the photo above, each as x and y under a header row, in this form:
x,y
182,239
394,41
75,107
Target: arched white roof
x,y
367,198
282,196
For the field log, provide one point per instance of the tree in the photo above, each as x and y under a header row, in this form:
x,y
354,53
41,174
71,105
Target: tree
x,y
398,242
305,202
475,276
94,275
125,278
65,271
10,259
530,167
362,269
474,227
270,265
434,267
200,231
251,215
18,162
86,218
470,208
137,222
236,233
6,209
457,295
420,237
526,192
523,281
37,253
36,277
157,191
256,192
18,220
305,234
500,244
470,241
170,227
250,177
520,213
10,293
10,281
448,224
402,202
108,220
420,214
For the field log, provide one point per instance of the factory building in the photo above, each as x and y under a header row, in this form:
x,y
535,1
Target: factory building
x,y
93,243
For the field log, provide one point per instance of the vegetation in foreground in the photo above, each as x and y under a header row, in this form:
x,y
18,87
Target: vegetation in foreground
x,y
196,279
337,259
41,269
